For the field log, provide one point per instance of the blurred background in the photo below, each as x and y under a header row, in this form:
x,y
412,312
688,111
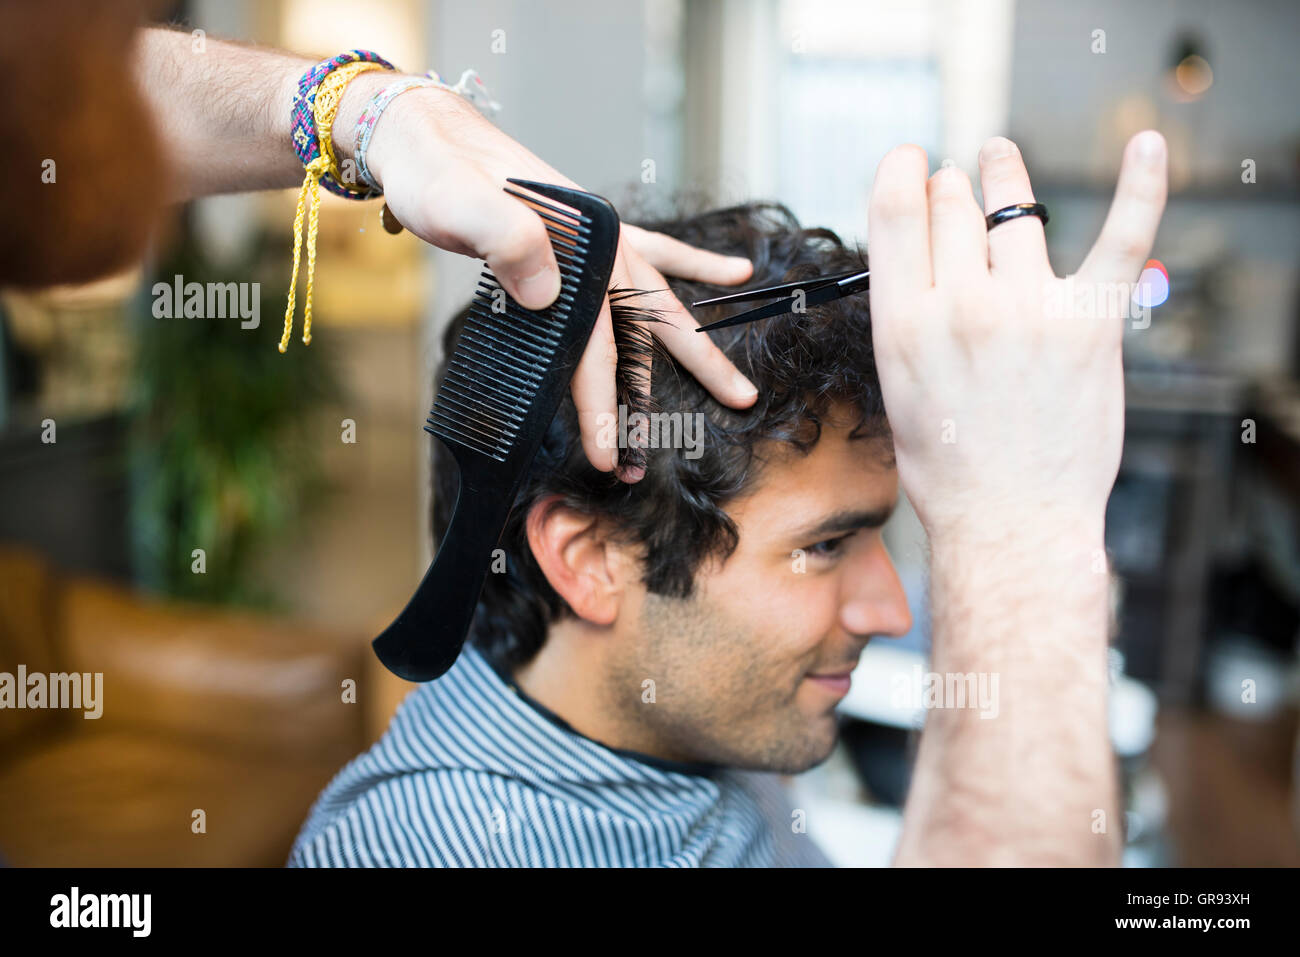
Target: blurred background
x,y
223,529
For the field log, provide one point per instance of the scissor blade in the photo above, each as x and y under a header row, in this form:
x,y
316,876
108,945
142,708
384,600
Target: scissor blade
x,y
816,282
849,284
751,315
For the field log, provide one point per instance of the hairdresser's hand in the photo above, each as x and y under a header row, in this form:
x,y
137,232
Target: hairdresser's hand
x,y
1006,400
1007,406
443,167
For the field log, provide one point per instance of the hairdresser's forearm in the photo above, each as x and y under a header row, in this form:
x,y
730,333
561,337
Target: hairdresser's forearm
x,y
223,114
1035,783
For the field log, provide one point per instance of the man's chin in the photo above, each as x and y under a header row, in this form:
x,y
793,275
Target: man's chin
x,y
812,744
827,747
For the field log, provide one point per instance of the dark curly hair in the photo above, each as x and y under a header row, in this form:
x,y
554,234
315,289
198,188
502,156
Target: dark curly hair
x,y
802,364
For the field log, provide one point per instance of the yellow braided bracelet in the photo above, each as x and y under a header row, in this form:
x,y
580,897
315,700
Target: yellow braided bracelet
x,y
328,96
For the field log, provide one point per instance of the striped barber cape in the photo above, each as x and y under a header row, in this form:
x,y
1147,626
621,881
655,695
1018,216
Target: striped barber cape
x,y
473,773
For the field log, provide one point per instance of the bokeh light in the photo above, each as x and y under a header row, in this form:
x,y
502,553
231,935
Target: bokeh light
x,y
1153,285
1193,75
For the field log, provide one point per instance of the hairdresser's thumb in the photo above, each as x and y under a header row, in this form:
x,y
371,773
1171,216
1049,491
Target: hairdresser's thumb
x,y
519,253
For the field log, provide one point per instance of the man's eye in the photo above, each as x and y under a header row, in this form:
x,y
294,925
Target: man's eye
x,y
829,547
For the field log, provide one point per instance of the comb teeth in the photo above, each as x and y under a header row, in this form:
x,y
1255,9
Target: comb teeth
x,y
504,350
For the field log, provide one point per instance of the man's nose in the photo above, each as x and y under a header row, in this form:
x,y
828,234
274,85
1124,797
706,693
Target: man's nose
x,y
874,602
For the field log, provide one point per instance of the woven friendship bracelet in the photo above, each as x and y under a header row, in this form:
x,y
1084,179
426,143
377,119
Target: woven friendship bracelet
x,y
324,103
325,107
304,136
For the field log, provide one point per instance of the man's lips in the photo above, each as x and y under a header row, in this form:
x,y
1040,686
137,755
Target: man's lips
x,y
837,682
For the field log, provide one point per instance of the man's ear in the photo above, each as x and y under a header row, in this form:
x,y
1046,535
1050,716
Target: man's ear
x,y
575,554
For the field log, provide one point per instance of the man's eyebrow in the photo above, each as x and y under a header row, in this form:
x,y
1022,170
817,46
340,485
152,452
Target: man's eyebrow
x,y
849,520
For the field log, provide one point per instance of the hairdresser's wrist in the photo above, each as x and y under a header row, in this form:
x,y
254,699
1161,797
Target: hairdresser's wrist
x,y
411,119
992,523
352,104
1022,575
1027,578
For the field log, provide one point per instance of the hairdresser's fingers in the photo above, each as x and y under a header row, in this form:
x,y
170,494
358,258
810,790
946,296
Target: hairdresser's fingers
x,y
697,353
958,244
595,395
672,257
645,286
1018,247
1130,228
595,383
649,254
508,234
898,222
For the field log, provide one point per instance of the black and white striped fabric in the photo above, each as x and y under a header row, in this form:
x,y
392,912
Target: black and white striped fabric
x,y
472,773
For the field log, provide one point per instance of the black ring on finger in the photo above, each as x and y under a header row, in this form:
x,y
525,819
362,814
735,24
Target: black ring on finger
x,y
1008,213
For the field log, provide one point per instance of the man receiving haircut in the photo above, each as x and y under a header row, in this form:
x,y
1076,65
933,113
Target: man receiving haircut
x,y
654,655
650,644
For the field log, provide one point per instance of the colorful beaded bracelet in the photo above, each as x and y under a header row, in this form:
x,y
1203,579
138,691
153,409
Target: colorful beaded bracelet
x,y
370,116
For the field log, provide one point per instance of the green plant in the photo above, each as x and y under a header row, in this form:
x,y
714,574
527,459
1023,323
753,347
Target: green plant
x,y
223,453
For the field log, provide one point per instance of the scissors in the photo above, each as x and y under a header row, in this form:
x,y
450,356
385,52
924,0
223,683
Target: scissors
x,y
814,292
823,289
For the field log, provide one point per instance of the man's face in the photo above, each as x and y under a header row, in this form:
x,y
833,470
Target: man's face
x,y
747,672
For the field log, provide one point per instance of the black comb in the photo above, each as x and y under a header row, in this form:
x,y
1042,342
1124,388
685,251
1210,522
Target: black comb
x,y
504,381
